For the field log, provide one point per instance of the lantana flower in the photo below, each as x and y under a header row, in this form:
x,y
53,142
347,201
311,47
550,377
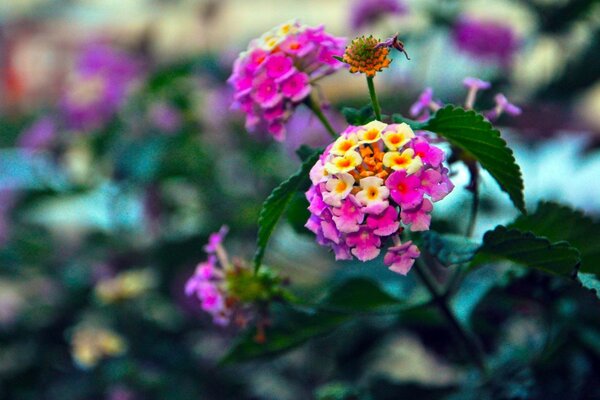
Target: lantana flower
x,y
229,290
277,72
385,182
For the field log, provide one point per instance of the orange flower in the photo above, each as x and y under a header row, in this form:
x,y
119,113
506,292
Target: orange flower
x,y
363,55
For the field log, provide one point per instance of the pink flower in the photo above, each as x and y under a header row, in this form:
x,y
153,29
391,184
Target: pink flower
x,y
401,258
279,67
296,87
349,216
436,184
429,154
278,70
266,93
405,190
216,239
364,243
419,217
384,224
423,103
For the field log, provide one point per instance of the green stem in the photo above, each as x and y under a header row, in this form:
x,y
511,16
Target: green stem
x,y
468,342
374,100
473,187
316,109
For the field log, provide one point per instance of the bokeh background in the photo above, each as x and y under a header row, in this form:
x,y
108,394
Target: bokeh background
x,y
109,191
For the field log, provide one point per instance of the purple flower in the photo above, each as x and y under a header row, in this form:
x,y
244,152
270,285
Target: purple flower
x,y
368,12
436,183
400,258
429,154
39,135
502,106
99,85
486,40
424,104
474,85
296,87
165,117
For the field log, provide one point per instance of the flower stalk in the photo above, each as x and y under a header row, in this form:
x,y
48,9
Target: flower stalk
x,y
316,109
374,101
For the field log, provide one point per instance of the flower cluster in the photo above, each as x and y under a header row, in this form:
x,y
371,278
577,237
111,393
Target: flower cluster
x,y
231,291
370,181
366,55
99,84
426,103
277,71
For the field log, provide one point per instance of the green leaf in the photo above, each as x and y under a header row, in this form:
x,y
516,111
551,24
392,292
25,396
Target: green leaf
x,y
527,249
449,248
590,282
559,222
472,133
305,151
293,327
360,116
297,213
276,203
360,295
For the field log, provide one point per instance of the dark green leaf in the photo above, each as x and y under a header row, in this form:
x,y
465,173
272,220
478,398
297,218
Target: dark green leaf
x,y
305,152
360,116
449,248
472,133
297,212
525,248
559,222
340,59
276,203
291,329
359,295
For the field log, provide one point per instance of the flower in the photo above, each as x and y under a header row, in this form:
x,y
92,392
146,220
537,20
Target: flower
x,y
230,292
277,72
39,135
401,257
98,85
486,40
368,12
502,106
363,55
377,187
425,104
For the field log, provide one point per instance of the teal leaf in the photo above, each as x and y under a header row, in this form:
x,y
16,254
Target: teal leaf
x,y
449,249
590,282
471,132
527,249
275,205
559,222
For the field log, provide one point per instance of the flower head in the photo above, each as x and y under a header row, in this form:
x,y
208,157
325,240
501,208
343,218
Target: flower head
x,y
365,56
386,179
230,291
276,73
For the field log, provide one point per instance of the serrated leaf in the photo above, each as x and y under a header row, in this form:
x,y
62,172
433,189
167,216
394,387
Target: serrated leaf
x,y
305,151
559,222
297,213
275,205
525,248
449,249
360,116
471,132
590,282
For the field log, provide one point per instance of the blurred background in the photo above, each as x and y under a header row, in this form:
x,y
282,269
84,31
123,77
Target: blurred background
x,y
119,155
